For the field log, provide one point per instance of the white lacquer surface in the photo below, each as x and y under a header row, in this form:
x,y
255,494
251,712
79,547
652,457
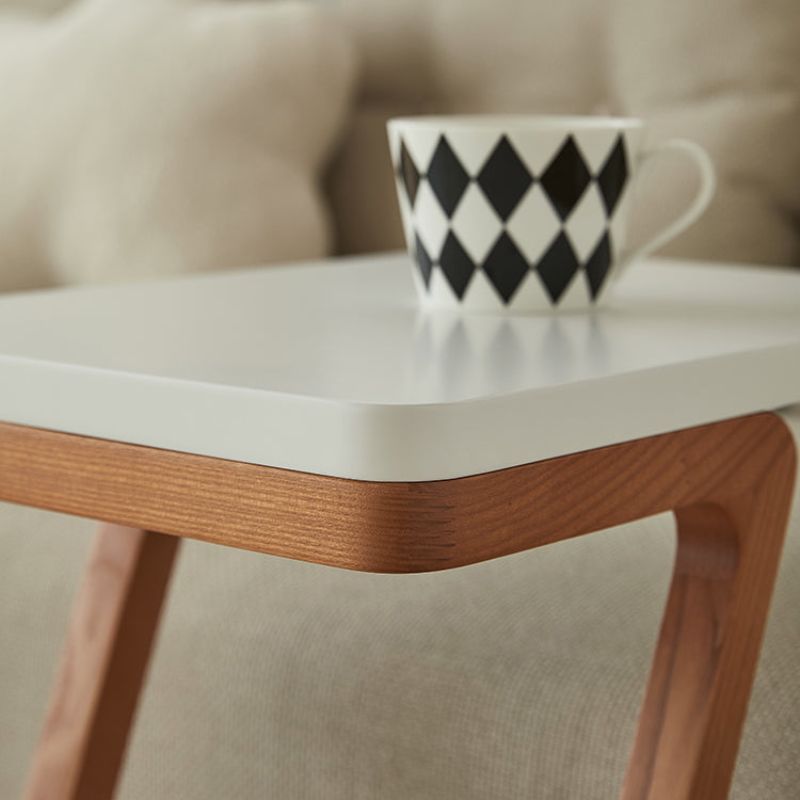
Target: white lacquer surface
x,y
331,368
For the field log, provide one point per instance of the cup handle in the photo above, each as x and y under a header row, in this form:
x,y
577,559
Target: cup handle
x,y
708,183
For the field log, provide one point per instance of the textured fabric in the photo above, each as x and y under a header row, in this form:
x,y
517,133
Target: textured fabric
x,y
517,678
724,73
34,6
160,137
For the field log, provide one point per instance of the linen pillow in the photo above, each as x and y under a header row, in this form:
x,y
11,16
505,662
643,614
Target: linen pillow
x,y
166,136
725,73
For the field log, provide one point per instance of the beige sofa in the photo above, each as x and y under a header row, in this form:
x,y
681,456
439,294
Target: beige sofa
x,y
511,679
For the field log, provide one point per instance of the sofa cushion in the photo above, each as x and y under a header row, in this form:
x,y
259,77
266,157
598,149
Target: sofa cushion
x,y
725,73
150,138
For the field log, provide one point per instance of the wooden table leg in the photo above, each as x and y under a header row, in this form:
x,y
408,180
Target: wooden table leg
x,y
705,661
730,484
103,665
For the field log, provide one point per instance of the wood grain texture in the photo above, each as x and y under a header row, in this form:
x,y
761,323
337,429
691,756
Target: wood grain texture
x,y
103,664
729,483
696,702
387,527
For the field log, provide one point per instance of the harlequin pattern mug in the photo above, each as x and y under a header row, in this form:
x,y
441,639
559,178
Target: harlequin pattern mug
x,y
525,213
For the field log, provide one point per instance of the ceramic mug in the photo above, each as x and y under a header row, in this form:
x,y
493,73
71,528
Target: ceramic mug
x,y
525,213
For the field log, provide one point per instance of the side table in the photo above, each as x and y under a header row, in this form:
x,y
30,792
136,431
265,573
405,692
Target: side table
x,y
314,412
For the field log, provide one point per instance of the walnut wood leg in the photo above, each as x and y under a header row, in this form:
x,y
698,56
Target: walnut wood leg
x,y
108,644
691,721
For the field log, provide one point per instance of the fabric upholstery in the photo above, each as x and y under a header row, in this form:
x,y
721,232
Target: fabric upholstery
x,y
517,678
141,139
724,73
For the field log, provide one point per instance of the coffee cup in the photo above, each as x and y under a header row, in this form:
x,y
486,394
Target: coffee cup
x,y
526,213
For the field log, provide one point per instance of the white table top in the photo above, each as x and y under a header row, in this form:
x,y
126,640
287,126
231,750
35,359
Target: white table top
x,y
331,368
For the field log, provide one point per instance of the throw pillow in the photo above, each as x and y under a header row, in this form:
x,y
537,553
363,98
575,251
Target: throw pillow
x,y
166,136
725,73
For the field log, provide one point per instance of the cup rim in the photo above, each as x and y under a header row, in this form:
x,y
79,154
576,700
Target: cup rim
x,y
516,122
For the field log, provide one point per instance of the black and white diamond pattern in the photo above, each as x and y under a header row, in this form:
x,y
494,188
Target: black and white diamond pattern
x,y
447,176
505,267
504,178
566,178
515,211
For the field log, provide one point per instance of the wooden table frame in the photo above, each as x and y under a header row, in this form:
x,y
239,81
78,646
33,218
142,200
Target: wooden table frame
x,y
729,483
